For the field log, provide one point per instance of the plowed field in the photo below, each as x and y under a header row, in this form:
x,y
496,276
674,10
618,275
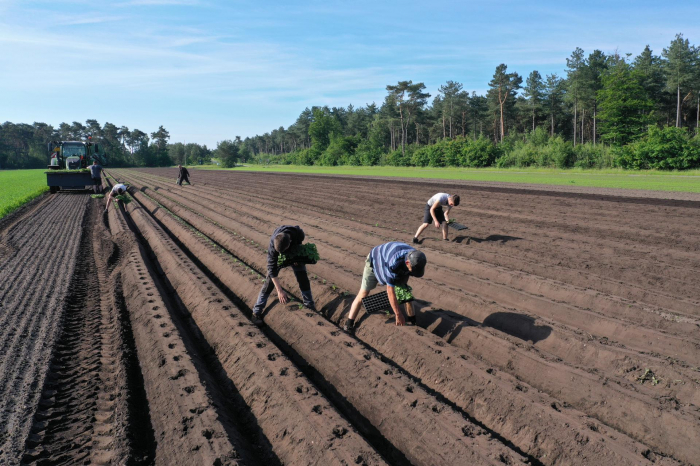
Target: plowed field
x,y
558,329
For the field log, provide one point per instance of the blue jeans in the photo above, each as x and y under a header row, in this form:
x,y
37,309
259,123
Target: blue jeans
x,y
268,286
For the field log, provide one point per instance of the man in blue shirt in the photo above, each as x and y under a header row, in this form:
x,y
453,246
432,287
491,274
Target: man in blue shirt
x,y
389,264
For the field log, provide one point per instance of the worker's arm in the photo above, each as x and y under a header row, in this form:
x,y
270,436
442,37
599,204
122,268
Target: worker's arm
x,y
432,213
109,199
280,292
395,305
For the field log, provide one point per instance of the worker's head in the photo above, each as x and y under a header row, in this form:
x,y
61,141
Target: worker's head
x,y
415,262
179,166
94,162
453,200
121,190
282,242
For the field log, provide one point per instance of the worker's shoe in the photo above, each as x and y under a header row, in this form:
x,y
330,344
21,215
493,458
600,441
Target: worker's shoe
x,y
349,327
415,240
308,300
410,320
311,307
258,320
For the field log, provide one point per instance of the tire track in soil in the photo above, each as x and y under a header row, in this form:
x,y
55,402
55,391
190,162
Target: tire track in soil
x,y
594,429
92,409
41,253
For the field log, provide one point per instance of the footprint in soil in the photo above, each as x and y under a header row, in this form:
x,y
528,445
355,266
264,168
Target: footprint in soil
x,y
339,431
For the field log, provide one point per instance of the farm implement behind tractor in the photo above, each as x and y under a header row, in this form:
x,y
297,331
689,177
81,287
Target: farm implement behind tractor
x,y
69,162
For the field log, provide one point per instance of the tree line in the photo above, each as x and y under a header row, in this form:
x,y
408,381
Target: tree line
x,y
25,146
607,110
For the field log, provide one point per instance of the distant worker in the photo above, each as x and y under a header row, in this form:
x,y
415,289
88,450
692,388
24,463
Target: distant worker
x,y
435,215
54,158
95,172
282,239
389,264
183,175
116,191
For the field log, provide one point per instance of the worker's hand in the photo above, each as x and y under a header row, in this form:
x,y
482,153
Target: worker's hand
x,y
436,223
282,295
400,321
296,264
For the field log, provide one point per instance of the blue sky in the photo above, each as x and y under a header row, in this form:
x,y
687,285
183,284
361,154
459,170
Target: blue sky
x,y
211,70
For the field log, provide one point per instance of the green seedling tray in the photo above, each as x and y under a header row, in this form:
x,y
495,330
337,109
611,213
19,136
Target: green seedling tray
x,y
304,254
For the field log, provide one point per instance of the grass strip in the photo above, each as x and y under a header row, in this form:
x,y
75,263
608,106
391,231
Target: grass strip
x,y
655,180
17,187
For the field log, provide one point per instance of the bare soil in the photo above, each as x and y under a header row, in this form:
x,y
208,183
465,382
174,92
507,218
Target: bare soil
x,y
560,328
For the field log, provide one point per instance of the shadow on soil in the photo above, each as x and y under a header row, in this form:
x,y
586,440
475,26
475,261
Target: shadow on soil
x,y
489,239
518,325
448,324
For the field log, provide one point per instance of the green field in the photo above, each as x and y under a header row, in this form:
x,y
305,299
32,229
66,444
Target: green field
x,y
17,187
655,180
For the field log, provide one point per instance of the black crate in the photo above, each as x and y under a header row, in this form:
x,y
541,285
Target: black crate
x,y
377,303
457,226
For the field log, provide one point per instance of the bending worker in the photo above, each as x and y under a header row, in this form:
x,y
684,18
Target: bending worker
x,y
389,264
183,175
116,190
282,239
435,215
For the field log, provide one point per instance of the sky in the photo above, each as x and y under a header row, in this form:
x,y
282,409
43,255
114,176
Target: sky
x,y
209,70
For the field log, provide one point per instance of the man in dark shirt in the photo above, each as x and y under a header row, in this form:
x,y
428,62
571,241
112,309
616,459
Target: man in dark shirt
x,y
281,240
95,171
183,175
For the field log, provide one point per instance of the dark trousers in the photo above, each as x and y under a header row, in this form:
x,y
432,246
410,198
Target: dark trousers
x,y
184,178
97,185
268,286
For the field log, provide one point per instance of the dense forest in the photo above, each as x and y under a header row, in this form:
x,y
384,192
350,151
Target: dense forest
x,y
608,110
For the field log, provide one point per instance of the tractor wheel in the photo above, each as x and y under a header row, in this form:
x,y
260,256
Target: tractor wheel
x,y
53,189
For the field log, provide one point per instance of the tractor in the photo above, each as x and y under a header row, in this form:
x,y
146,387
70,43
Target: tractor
x,y
69,164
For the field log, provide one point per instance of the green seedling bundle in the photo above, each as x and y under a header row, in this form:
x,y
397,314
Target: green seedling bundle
x,y
122,197
404,293
303,254
97,196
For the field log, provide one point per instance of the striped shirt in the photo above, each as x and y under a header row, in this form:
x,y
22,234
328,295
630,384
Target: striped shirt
x,y
389,263
441,198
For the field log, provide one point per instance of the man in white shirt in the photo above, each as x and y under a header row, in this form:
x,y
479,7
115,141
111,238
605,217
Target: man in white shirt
x,y
116,190
435,215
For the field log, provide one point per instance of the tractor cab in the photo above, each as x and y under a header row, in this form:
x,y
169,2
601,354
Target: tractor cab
x,y
73,155
68,164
